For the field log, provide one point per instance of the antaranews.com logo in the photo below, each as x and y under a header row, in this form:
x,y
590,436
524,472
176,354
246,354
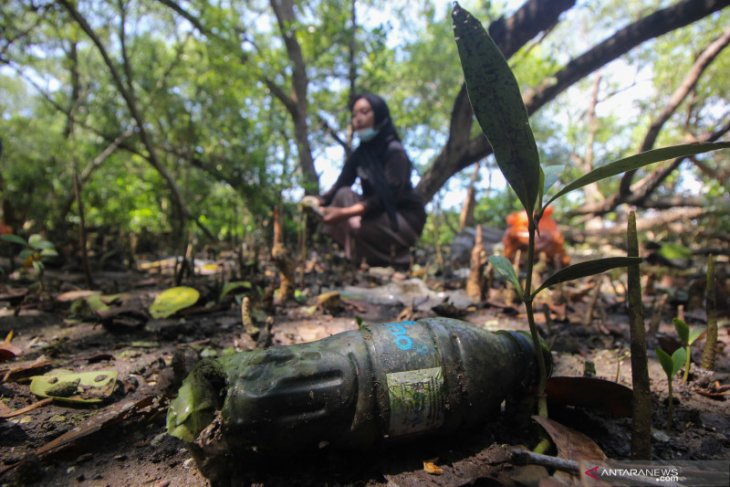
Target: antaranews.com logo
x,y
666,473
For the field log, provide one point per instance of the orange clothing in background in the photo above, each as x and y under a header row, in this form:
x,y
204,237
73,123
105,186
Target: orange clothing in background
x,y
548,240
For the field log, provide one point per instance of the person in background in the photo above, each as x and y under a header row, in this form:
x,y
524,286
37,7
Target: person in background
x,y
382,224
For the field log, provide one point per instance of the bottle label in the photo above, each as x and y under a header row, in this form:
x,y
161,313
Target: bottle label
x,y
416,400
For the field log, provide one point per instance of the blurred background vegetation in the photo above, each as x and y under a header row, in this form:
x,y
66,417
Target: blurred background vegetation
x,y
192,119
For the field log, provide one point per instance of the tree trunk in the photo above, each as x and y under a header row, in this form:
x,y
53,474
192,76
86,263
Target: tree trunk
x,y
297,103
466,217
131,103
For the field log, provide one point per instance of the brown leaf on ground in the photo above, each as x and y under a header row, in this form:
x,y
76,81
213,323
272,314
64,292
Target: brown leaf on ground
x,y
123,318
24,369
70,296
8,351
591,393
571,444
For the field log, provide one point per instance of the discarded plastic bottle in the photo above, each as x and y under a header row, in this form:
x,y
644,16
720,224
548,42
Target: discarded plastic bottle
x,y
354,389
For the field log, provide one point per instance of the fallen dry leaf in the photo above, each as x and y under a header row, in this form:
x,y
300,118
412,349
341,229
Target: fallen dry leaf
x,y
571,444
591,393
74,295
26,368
432,468
8,351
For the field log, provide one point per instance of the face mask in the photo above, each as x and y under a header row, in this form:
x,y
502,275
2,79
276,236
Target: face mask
x,y
366,134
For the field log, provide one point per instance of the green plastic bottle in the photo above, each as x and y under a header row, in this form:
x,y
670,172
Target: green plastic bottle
x,y
356,389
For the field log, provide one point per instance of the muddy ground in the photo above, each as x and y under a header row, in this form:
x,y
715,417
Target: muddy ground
x,y
124,442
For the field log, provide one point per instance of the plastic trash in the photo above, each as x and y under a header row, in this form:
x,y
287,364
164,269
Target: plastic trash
x,y
411,292
356,389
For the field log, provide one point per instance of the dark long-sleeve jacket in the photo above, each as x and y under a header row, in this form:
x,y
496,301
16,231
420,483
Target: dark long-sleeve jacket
x,y
397,170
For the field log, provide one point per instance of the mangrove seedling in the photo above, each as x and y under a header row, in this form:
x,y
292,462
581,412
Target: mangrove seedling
x,y
34,251
495,97
687,336
671,365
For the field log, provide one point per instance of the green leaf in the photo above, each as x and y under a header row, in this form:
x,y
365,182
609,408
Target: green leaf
x,y
25,253
232,286
589,268
504,267
637,161
194,407
49,252
172,300
673,251
682,330
694,334
14,239
666,361
497,103
83,387
95,303
37,242
678,358
300,296
44,245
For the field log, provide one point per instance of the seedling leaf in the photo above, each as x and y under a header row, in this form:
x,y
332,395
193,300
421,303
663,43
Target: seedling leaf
x,y
694,334
639,160
232,286
504,267
497,103
38,243
672,251
666,361
588,268
678,358
13,239
49,252
682,330
25,254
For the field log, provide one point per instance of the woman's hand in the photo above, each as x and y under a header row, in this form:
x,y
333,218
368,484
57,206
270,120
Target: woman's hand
x,y
332,214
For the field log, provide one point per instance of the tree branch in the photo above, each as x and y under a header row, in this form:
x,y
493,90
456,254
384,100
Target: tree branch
x,y
644,188
131,106
510,35
333,133
95,164
679,95
284,13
